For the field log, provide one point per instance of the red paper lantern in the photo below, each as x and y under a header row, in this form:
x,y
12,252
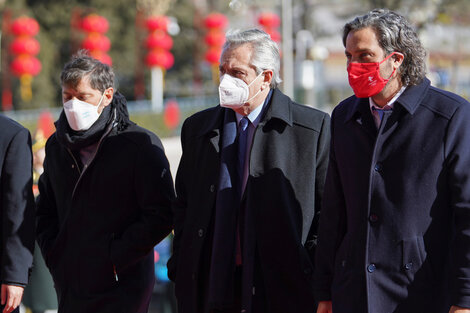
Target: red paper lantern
x,y
159,39
268,19
25,26
94,23
161,58
154,23
25,65
95,41
159,43
275,35
213,55
171,115
25,45
216,20
102,57
215,37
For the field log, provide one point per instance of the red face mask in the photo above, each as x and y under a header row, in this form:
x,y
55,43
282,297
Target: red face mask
x,y
365,79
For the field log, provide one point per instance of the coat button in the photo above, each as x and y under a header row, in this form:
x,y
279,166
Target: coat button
x,y
343,263
371,268
408,266
373,218
200,232
307,270
212,188
378,167
73,165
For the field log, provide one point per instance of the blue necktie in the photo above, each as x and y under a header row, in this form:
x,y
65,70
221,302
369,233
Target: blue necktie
x,y
381,112
242,140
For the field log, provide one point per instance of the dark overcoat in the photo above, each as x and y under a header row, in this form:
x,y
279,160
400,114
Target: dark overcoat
x,y
16,203
287,168
97,226
395,227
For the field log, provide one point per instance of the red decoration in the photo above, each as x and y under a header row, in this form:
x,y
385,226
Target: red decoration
x,y
213,55
96,42
161,58
270,21
154,23
159,39
25,45
94,23
216,20
215,37
159,43
171,115
275,35
102,57
25,26
25,65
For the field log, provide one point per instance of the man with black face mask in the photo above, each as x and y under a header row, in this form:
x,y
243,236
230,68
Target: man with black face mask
x,y
104,198
394,232
249,187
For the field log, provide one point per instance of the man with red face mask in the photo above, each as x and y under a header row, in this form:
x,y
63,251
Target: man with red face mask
x,y
394,232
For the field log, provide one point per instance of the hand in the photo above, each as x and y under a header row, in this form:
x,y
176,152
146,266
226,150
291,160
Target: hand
x,y
11,297
457,309
325,307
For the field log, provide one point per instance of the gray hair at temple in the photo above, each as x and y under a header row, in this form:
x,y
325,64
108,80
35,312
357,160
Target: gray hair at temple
x,y
101,75
265,51
394,33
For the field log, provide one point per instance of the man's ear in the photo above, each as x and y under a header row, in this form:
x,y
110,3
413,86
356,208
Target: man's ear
x,y
108,96
268,77
398,58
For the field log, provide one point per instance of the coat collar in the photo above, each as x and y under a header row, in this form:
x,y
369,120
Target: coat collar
x,y
280,107
410,99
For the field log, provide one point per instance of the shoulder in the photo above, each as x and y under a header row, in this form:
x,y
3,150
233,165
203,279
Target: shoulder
x,y
445,103
9,128
203,116
308,117
139,136
203,121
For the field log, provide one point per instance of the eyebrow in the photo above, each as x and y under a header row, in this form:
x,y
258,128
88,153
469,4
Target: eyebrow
x,y
358,51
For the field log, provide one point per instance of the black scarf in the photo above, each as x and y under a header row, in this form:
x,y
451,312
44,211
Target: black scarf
x,y
113,115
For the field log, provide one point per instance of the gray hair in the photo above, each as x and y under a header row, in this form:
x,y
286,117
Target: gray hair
x,y
394,33
81,65
265,51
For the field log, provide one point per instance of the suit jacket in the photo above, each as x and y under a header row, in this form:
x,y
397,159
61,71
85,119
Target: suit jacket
x,y
395,225
286,175
16,203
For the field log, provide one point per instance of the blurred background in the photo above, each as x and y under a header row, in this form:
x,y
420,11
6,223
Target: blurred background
x,y
165,56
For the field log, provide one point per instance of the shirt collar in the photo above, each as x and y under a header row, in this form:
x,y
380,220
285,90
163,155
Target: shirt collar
x,y
389,104
255,115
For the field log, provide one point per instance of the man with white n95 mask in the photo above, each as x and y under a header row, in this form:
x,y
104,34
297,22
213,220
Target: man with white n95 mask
x,y
249,186
104,198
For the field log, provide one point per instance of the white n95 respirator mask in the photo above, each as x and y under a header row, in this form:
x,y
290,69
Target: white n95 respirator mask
x,y
234,92
80,114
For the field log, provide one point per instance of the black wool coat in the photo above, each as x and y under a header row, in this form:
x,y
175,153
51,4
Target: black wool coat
x,y
97,226
16,203
287,168
395,227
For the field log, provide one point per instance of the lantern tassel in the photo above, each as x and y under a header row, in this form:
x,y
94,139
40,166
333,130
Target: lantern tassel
x,y
215,73
25,87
